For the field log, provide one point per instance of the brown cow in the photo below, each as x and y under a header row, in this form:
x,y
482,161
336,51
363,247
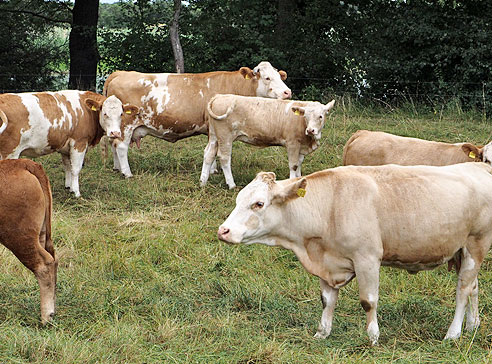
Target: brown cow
x,y
374,148
173,106
68,122
346,222
25,224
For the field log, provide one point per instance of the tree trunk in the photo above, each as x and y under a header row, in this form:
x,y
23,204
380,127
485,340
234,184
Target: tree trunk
x,y
174,34
83,45
286,11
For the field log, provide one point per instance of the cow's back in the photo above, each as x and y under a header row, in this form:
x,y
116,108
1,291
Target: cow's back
x,y
263,120
420,214
365,148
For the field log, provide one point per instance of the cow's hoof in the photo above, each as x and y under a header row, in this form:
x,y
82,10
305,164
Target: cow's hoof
x,y
320,335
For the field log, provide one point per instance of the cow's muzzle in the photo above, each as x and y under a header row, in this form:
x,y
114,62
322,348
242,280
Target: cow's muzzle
x,y
115,135
224,234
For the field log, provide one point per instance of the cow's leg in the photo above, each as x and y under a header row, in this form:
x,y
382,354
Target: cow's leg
x,y
116,161
367,273
122,156
472,317
471,258
293,156
224,153
209,155
301,159
76,160
329,297
213,167
67,167
27,249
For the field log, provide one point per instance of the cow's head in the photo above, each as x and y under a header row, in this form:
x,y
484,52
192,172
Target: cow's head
x,y
314,114
476,154
270,81
111,111
258,211
485,153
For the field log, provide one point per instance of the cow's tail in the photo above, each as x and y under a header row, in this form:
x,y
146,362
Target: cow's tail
x,y
347,145
5,121
219,117
38,171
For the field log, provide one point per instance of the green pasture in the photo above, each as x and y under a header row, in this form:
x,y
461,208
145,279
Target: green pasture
x,y
143,279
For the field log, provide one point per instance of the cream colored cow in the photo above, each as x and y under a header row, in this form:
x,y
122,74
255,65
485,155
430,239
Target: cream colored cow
x,y
296,125
348,221
374,148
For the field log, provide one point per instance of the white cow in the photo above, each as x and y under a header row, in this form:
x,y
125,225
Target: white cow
x,y
348,221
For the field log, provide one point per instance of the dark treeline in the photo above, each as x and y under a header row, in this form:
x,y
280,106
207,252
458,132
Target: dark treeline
x,y
389,50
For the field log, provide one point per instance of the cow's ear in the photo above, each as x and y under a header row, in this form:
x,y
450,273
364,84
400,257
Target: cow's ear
x,y
130,109
472,151
293,190
283,75
93,104
298,110
246,72
329,106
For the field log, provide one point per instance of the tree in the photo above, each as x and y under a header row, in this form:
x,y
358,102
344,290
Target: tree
x,y
174,34
83,45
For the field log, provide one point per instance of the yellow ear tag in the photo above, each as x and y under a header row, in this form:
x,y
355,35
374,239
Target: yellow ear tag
x,y
247,77
297,112
301,192
93,108
128,112
472,155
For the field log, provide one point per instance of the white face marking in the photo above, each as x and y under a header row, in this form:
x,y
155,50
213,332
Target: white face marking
x,y
246,221
110,115
270,83
315,115
487,153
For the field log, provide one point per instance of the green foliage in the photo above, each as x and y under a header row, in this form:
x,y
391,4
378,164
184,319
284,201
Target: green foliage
x,y
143,278
140,42
33,51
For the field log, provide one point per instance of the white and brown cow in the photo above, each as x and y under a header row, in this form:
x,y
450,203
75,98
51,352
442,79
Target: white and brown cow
x,y
348,221
296,125
25,224
173,106
374,148
68,122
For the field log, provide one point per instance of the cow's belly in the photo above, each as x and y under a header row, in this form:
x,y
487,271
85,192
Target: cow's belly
x,y
423,253
170,134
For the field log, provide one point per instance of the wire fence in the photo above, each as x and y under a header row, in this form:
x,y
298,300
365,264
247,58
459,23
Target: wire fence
x,y
473,93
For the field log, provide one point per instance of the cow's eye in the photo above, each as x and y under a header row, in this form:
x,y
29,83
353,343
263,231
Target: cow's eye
x,y
258,205
267,78
321,116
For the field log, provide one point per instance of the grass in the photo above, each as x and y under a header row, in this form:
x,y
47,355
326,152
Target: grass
x,y
143,278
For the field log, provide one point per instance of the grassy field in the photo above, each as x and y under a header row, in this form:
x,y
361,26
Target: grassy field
x,y
143,279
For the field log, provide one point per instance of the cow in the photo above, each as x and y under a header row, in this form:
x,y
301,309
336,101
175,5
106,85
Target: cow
x,y
348,221
173,106
25,224
68,122
297,125
487,153
374,148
